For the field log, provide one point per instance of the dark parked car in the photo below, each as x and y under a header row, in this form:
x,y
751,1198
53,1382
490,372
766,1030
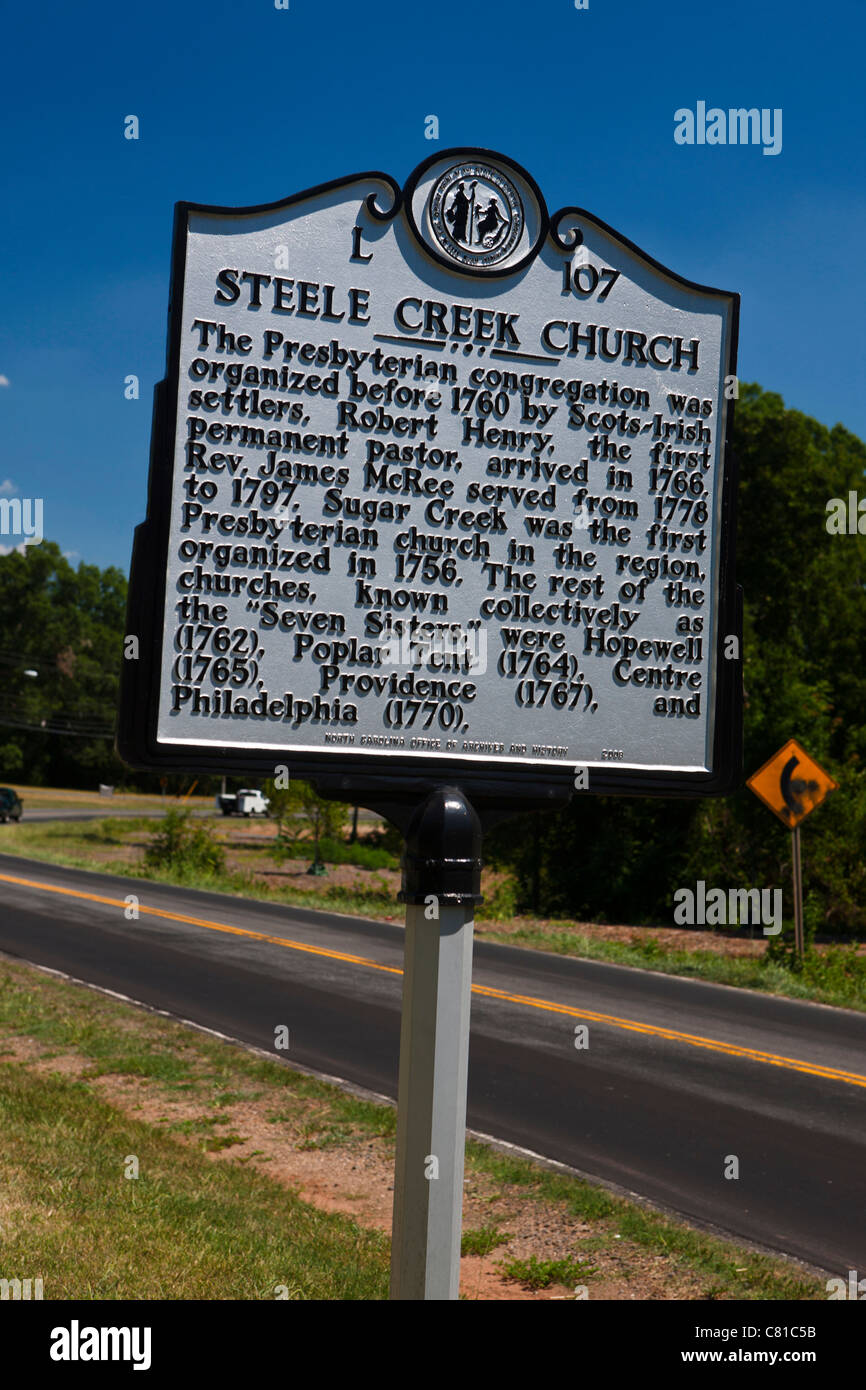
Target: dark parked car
x,y
10,804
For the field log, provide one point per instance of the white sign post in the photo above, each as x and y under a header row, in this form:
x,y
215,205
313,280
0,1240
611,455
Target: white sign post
x,y
443,868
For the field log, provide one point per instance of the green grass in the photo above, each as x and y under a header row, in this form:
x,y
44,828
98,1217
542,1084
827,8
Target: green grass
x,y
186,1228
540,1274
119,1040
482,1240
72,846
336,852
73,837
837,976
192,1228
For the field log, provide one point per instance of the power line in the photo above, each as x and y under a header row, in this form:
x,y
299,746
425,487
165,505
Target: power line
x,y
81,718
47,728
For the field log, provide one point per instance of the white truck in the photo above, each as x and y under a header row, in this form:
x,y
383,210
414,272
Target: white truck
x,y
249,801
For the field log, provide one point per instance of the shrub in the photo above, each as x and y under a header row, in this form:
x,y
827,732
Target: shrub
x,y
301,813
500,901
184,845
335,852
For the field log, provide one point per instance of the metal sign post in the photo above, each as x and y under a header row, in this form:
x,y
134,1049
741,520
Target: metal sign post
x,y
799,943
442,877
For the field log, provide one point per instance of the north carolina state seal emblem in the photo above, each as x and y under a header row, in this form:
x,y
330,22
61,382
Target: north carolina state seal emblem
x,y
476,214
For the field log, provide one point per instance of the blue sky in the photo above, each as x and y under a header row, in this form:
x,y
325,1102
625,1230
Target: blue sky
x,y
241,103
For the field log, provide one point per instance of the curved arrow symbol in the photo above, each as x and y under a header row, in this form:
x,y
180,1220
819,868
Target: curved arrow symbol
x,y
788,792
793,790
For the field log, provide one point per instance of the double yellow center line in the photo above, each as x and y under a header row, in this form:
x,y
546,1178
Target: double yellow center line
x,y
771,1059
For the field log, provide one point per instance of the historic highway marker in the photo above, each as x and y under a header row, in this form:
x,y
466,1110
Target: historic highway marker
x,y
439,486
439,517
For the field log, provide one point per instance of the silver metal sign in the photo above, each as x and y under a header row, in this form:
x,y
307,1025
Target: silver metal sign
x,y
439,483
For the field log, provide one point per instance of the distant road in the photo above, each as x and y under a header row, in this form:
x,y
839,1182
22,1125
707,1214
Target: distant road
x,y
97,813
679,1076
84,813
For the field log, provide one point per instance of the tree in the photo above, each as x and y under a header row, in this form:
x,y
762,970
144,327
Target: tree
x,y
60,650
804,671
301,814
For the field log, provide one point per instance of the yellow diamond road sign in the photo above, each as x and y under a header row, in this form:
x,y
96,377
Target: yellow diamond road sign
x,y
792,784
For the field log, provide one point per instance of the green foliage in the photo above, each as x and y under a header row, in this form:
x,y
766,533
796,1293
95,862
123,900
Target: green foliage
x,y
184,846
540,1274
337,852
361,854
499,903
482,1240
386,837
282,801
66,624
621,859
839,968
304,817
11,761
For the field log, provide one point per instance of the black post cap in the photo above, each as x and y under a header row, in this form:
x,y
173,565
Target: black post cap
x,y
442,858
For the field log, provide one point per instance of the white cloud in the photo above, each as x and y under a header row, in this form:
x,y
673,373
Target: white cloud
x,y
8,488
14,549
71,555
4,380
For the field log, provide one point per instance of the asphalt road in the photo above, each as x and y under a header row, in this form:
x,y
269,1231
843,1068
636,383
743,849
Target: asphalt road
x,y
678,1075
54,813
